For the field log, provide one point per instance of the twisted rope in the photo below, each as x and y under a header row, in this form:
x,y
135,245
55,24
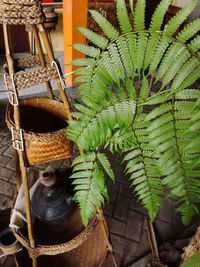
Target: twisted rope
x,y
26,80
30,62
18,12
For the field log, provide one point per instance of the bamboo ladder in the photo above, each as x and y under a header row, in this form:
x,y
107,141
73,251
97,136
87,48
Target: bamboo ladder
x,y
13,12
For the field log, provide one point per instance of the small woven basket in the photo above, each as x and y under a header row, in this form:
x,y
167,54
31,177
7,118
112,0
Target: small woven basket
x,y
43,121
85,248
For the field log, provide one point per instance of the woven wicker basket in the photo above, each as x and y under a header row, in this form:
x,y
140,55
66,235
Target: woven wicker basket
x,y
43,121
81,247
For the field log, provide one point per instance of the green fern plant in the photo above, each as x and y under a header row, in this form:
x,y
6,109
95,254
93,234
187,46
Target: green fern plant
x,y
161,147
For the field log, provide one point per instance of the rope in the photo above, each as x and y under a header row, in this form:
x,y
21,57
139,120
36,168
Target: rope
x,y
17,12
26,80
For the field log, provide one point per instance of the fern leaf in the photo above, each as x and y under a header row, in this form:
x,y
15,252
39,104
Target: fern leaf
x,y
154,38
139,16
144,92
106,165
131,6
83,71
122,16
105,25
158,53
162,120
158,16
188,81
88,50
174,68
109,67
157,99
125,55
184,72
83,166
132,154
130,88
159,111
83,62
141,49
95,38
115,59
187,211
132,45
171,54
85,157
188,94
180,17
195,44
188,31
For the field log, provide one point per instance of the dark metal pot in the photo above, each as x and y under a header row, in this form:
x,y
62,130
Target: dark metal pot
x,y
53,201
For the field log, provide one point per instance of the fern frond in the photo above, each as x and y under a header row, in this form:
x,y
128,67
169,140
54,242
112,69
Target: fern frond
x,y
144,92
184,72
87,157
125,55
180,17
195,44
175,67
139,16
105,25
83,62
132,45
187,211
88,50
188,81
95,38
188,31
154,38
158,16
162,45
157,99
131,6
103,160
156,112
171,54
90,191
141,49
115,60
122,16
130,88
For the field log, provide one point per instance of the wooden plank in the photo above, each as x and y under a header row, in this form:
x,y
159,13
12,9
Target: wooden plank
x,y
74,15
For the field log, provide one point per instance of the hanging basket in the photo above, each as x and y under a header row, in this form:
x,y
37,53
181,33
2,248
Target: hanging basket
x,y
84,247
43,121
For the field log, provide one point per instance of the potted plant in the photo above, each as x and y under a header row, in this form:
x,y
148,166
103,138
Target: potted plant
x,y
155,127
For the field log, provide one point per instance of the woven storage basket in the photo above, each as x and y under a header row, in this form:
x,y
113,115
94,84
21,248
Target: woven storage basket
x,y
43,121
81,247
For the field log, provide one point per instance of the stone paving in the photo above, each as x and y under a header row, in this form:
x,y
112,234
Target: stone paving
x,y
124,215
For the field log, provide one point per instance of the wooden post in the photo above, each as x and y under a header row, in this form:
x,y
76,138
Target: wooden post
x,y
16,116
74,15
51,59
42,57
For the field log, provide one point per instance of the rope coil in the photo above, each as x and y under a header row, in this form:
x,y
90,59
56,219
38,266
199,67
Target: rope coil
x,y
18,12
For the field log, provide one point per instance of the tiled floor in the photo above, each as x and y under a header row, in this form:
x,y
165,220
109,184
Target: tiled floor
x,y
125,216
